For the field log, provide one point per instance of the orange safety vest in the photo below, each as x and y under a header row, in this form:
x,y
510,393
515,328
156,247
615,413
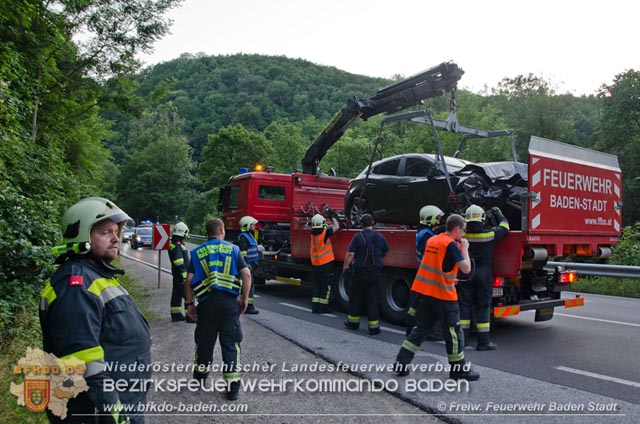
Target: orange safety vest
x,y
430,279
321,252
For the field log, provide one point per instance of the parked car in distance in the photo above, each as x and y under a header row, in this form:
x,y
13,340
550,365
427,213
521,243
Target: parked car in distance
x,y
399,186
142,236
127,232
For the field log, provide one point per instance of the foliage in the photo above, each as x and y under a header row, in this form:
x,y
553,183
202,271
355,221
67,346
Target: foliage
x,y
51,151
621,135
229,150
156,179
627,252
214,92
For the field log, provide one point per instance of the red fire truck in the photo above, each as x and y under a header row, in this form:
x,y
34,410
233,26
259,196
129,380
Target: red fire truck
x,y
571,207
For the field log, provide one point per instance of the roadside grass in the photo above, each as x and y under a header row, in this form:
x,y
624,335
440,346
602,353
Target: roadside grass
x,y
625,287
29,334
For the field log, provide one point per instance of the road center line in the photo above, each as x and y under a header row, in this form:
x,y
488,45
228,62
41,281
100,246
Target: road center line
x,y
599,319
599,376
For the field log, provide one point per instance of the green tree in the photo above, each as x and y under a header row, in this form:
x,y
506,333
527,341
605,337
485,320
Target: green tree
x,y
620,129
530,106
156,180
230,149
289,145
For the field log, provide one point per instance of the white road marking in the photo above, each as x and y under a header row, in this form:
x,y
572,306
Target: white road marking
x,y
393,330
599,376
599,319
302,308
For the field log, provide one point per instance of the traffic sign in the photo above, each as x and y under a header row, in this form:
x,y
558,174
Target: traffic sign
x,y
161,236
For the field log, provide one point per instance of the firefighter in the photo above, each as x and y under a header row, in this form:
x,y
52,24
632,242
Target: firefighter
x,y
251,251
435,282
87,314
476,293
430,225
216,282
365,252
321,254
179,257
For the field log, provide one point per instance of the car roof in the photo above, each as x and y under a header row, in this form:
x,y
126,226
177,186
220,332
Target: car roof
x,y
453,164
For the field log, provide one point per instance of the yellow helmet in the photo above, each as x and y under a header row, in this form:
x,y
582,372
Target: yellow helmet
x,y
318,221
430,214
246,222
474,213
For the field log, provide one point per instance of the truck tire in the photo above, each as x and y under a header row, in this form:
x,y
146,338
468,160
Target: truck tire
x,y
394,301
341,289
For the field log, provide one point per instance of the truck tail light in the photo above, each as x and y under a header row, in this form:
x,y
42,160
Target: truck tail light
x,y
567,277
498,282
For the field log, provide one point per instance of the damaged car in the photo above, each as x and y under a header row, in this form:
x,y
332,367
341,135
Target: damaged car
x,y
394,189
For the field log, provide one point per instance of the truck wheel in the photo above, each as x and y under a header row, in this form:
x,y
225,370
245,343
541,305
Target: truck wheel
x,y
341,289
395,294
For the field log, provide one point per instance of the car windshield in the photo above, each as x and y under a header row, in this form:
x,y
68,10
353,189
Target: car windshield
x,y
143,231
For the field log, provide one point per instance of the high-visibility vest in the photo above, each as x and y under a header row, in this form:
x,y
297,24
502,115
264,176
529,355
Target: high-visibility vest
x,y
431,280
321,253
252,253
215,268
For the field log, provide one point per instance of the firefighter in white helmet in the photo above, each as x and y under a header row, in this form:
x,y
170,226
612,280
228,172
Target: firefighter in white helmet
x,y
251,251
179,257
477,292
430,225
321,254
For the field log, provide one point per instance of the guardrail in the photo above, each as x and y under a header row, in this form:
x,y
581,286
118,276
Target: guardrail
x,y
599,270
596,270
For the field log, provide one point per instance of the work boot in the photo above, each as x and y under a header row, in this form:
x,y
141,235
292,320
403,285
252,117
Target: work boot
x,y
351,325
459,371
374,331
190,321
177,318
401,370
315,308
251,310
484,342
233,391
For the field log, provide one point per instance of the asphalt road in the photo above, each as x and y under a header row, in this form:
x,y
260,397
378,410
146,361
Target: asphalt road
x,y
590,349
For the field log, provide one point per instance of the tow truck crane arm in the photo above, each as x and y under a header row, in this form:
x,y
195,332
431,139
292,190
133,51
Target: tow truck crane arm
x,y
432,82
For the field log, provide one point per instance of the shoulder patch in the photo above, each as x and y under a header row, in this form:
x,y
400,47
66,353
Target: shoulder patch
x,y
75,280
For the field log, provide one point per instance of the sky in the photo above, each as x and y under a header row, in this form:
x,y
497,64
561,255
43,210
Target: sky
x,y
575,45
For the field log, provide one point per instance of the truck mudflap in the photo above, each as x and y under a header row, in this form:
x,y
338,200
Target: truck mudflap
x,y
544,308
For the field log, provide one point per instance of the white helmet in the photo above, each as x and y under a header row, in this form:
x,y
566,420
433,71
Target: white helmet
x,y
318,221
474,213
246,222
430,214
181,230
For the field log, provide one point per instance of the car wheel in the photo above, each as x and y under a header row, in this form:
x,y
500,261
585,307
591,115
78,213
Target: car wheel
x,y
357,207
394,301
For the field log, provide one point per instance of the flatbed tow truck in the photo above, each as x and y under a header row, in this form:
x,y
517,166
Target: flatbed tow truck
x,y
571,207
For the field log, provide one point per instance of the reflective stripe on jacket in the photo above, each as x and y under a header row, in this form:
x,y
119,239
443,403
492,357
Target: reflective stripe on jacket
x,y
431,280
321,253
86,313
215,268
